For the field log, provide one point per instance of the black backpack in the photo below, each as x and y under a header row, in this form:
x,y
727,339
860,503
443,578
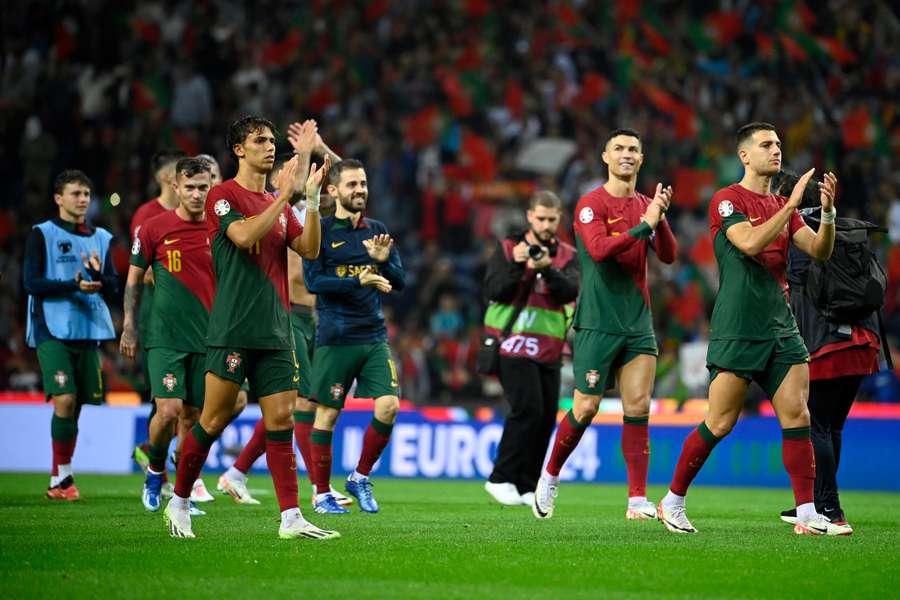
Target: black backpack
x,y
851,284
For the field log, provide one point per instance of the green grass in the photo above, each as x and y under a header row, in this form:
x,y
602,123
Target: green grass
x,y
437,539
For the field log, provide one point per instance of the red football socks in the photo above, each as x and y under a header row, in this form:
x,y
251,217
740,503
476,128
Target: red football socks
x,y
697,447
303,424
800,462
283,466
567,437
193,455
255,448
636,450
320,453
377,436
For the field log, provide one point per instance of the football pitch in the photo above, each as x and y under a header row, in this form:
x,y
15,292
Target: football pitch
x,y
438,539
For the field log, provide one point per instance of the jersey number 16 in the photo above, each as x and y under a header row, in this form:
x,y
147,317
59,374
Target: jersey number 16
x,y
174,257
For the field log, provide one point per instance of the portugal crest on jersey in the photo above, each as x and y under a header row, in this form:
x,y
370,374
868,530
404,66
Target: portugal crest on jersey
x,y
170,382
592,377
232,362
60,378
337,392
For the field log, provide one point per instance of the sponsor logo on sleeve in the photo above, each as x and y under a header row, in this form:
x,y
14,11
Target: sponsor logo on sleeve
x,y
726,208
586,215
221,207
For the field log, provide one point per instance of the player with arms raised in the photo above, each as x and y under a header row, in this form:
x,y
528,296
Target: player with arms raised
x,y
175,244
615,227
753,335
249,325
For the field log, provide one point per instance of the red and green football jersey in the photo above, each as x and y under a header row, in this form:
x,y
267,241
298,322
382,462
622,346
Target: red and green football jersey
x,y
178,252
752,302
252,307
145,212
612,243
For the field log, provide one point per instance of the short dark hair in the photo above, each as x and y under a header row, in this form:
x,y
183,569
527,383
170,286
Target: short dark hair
x,y
280,159
334,173
209,158
544,198
621,131
165,157
745,132
192,165
240,129
71,176
783,184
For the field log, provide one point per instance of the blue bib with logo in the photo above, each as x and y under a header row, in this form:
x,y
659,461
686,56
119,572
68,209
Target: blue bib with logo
x,y
76,315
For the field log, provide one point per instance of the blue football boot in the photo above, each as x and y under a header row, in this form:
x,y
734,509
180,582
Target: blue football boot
x,y
361,489
328,506
152,495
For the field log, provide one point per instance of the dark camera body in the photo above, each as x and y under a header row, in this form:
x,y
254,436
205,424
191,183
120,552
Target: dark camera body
x,y
535,252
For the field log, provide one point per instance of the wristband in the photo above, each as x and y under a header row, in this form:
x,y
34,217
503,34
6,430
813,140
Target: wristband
x,y
828,218
312,202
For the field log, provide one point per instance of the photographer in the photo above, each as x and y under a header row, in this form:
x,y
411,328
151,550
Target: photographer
x,y
529,281
843,348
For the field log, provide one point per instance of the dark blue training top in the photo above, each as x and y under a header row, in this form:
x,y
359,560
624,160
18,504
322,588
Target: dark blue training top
x,y
348,312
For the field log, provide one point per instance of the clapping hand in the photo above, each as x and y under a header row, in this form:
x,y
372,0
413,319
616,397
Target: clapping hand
x,y
379,247
303,137
827,191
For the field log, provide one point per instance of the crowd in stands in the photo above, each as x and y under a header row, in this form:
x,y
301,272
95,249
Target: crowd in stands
x,y
459,111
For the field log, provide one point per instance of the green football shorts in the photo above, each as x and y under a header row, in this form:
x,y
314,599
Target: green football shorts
x,y
267,371
335,368
766,362
71,368
177,374
599,355
304,326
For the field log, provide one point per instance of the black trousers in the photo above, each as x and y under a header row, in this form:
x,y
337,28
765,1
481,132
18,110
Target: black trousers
x,y
829,404
532,390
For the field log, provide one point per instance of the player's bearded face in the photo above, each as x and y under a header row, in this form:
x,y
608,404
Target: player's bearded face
x,y
623,156
352,191
763,153
192,192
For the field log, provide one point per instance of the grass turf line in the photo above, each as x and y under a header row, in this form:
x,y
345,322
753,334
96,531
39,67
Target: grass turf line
x,y
438,539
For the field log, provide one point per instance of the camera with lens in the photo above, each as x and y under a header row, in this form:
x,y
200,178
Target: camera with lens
x,y
535,252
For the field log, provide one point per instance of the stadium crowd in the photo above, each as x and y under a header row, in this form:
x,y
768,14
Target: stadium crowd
x,y
459,111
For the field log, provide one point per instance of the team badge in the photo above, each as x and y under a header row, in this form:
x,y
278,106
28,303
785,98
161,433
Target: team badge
x,y
726,208
170,382
337,392
60,378
592,377
340,270
221,207
283,220
586,215
136,246
233,361
65,246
